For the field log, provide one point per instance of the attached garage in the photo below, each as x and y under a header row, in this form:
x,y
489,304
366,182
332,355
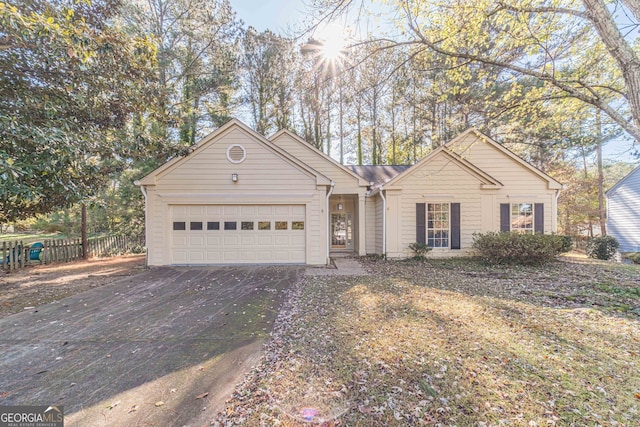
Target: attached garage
x,y
238,234
237,198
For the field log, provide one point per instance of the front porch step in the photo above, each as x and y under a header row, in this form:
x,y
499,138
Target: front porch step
x,y
341,254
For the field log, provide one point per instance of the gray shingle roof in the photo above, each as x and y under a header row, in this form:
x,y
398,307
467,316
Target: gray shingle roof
x,y
378,174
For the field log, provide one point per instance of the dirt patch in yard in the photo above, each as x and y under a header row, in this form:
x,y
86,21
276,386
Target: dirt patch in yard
x,y
32,287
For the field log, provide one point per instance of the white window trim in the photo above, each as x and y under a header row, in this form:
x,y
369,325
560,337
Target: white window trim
x,y
426,214
533,217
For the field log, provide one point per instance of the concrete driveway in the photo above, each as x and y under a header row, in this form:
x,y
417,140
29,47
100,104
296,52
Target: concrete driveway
x,y
162,348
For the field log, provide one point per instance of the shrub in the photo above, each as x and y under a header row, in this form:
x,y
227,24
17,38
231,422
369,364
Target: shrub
x,y
602,247
633,257
517,248
567,244
420,251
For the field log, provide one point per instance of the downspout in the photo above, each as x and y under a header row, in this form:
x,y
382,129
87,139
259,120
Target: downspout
x,y
558,191
333,184
384,222
146,209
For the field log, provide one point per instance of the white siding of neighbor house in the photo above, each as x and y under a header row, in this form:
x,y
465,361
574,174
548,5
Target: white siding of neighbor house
x,y
520,184
264,177
345,182
623,212
438,181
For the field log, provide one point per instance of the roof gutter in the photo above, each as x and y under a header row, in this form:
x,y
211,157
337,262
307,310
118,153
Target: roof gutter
x,y
333,184
558,191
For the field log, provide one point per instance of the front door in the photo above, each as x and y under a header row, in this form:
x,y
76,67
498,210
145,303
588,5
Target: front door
x,y
342,231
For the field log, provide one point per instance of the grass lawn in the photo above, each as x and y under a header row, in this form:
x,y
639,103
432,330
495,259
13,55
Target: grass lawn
x,y
453,342
28,238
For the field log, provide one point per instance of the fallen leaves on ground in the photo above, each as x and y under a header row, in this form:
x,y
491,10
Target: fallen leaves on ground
x,y
452,342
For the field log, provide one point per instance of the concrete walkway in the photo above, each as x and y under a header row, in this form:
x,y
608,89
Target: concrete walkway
x,y
343,266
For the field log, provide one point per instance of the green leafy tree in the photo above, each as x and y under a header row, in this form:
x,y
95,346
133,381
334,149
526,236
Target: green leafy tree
x,y
68,80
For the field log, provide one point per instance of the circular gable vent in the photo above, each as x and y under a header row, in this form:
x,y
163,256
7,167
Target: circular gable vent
x,y
236,153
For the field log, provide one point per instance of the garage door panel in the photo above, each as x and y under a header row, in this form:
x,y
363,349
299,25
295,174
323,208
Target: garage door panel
x,y
179,211
248,211
213,211
213,240
231,256
207,242
196,256
180,241
247,240
230,240
265,240
282,240
297,240
265,210
230,211
282,210
196,211
197,241
179,256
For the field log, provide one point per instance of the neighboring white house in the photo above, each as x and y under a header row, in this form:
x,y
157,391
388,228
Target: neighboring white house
x,y
623,212
240,198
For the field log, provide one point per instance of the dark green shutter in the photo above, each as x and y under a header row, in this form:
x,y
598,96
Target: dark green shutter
x,y
504,217
455,225
421,230
538,218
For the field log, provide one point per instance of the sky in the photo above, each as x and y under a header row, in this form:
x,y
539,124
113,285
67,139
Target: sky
x,y
280,16
275,15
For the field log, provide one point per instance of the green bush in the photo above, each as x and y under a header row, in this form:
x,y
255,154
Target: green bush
x,y
567,243
420,251
602,247
633,257
517,248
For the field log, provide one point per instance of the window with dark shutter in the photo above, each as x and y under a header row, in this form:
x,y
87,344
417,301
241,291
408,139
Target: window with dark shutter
x,y
505,224
538,218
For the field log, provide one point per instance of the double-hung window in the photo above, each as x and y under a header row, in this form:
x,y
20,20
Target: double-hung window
x,y
438,225
522,217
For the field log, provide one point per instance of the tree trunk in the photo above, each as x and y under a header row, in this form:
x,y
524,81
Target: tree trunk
x,y
83,232
601,207
620,50
359,136
341,126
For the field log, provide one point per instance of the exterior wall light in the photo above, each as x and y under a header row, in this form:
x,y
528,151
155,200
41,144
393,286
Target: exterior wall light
x,y
234,177
339,206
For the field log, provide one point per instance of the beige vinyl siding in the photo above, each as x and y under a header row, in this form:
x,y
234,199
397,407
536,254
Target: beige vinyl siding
x,y
262,170
345,182
378,225
371,224
439,181
520,184
155,230
623,212
264,178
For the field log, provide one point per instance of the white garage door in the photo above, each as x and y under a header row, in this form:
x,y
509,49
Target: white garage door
x,y
238,234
